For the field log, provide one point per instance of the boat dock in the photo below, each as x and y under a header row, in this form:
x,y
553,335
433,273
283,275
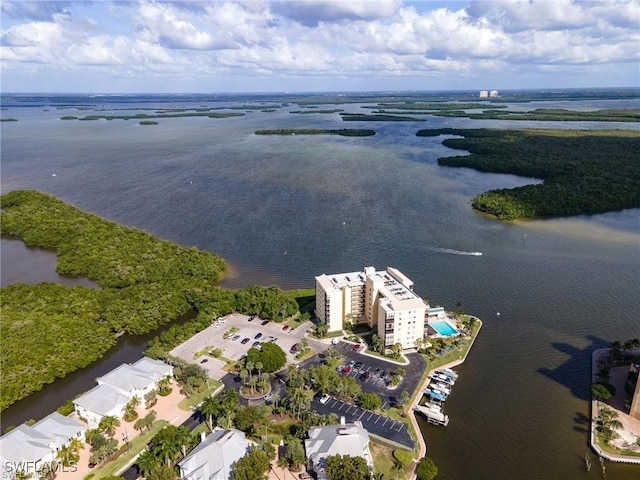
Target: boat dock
x,y
433,413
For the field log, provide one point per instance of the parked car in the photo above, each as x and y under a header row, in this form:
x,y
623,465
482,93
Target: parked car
x,y
346,370
258,335
265,322
245,340
356,347
365,376
251,319
335,341
255,344
304,476
324,399
294,349
285,328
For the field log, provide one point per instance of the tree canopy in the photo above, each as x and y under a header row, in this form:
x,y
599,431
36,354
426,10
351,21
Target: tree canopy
x,y
583,171
251,467
345,467
426,470
145,282
270,355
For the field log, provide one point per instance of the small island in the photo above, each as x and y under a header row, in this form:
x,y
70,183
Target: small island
x,y
345,132
363,117
583,171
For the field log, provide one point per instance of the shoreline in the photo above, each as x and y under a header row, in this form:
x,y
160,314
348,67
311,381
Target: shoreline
x,y
593,407
416,400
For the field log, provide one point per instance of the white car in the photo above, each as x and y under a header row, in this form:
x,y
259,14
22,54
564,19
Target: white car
x,y
335,341
324,399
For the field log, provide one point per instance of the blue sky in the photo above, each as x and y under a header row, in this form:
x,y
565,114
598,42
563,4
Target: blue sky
x,y
316,45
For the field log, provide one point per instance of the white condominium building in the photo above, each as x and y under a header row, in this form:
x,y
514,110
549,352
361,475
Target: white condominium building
x,y
384,299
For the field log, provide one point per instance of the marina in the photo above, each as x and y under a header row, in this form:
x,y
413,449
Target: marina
x,y
438,389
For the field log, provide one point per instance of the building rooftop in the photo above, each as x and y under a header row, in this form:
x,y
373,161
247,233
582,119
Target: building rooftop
x,y
213,457
102,399
344,439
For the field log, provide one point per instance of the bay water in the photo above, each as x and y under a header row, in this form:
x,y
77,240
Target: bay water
x,y
283,209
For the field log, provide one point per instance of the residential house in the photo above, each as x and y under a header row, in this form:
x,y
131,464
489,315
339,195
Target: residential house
x,y
116,388
214,457
31,449
101,401
345,439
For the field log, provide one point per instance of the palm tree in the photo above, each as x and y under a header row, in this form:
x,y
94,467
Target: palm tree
x,y
183,439
76,445
164,386
147,462
130,413
150,398
108,425
209,407
168,451
68,456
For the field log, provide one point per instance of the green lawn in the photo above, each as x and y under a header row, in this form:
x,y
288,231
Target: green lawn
x,y
138,444
188,403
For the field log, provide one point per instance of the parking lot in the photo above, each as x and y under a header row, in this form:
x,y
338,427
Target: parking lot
x,y
374,423
376,366
249,332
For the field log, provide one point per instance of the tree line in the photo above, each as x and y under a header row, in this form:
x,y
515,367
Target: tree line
x,y
583,171
145,283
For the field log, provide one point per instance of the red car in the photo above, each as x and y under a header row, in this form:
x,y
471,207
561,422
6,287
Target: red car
x,y
356,347
346,370
285,328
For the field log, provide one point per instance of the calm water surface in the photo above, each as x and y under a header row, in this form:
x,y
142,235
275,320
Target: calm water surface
x,y
282,210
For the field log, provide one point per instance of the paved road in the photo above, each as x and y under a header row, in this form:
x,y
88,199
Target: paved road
x,y
192,422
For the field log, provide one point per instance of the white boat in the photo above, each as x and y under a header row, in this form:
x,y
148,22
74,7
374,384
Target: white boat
x,y
441,377
448,372
437,418
435,394
440,388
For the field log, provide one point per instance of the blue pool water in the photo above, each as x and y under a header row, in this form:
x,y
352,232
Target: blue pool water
x,y
444,328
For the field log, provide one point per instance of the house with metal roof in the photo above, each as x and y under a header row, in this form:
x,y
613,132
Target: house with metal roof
x,y
101,401
31,448
214,457
137,379
345,439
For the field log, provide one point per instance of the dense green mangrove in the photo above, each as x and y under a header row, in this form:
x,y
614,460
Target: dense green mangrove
x,y
550,114
345,132
362,117
583,171
144,116
144,282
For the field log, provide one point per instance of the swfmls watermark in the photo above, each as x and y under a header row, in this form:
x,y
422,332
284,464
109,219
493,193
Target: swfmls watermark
x,y
9,469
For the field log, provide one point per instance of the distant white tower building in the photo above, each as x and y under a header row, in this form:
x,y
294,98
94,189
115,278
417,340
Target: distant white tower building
x,y
484,94
493,93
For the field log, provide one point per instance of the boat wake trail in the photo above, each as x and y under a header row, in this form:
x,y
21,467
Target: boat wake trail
x,y
451,251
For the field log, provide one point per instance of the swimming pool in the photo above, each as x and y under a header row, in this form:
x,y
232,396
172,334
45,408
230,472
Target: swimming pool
x,y
444,328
